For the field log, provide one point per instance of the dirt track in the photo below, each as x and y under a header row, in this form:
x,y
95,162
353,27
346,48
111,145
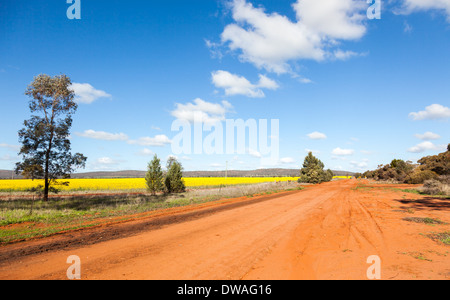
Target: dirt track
x,y
324,232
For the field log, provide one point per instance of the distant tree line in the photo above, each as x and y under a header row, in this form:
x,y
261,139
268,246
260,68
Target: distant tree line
x,y
435,167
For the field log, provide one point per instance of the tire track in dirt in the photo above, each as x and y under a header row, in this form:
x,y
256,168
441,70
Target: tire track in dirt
x,y
341,227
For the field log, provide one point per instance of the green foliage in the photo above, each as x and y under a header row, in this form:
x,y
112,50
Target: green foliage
x,y
313,172
174,178
428,168
154,177
401,166
45,140
419,176
439,164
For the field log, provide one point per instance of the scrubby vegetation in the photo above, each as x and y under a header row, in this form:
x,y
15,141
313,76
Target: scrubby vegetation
x,y
432,171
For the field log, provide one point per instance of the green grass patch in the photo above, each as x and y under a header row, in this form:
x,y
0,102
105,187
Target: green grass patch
x,y
429,221
411,191
26,218
443,237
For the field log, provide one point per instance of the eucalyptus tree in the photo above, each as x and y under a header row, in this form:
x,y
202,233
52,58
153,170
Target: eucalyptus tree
x,y
46,148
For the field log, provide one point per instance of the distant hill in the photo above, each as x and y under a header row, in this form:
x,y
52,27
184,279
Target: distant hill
x,y
7,174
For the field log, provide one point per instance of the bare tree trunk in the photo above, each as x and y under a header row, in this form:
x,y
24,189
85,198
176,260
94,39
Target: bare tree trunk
x,y
46,181
46,185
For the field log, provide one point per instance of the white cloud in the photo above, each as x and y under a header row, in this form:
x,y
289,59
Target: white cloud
x,y
254,153
157,141
407,28
359,164
86,93
214,48
342,152
104,163
287,160
202,111
146,152
432,112
345,55
317,136
272,41
336,19
410,6
101,135
427,136
239,85
305,80
425,146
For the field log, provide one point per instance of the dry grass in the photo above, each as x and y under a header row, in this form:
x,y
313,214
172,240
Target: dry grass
x,y
435,187
26,218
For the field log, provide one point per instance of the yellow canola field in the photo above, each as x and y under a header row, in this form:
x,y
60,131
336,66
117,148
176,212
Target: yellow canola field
x,y
135,183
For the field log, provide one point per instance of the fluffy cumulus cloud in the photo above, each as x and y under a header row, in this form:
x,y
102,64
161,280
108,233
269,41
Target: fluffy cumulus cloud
x,y
202,111
105,164
342,152
146,152
317,136
432,112
102,135
410,6
287,160
86,93
157,141
239,85
428,136
426,146
272,41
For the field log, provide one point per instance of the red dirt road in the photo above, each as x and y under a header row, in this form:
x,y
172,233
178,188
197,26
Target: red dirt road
x,y
323,232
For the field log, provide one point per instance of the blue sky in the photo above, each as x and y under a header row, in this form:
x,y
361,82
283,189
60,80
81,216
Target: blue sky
x,y
357,91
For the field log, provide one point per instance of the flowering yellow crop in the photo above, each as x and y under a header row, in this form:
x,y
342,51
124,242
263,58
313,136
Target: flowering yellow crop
x,y
134,183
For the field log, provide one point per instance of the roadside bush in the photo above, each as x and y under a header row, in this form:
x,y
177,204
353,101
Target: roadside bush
x,y
439,164
397,170
435,167
444,179
435,187
419,176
